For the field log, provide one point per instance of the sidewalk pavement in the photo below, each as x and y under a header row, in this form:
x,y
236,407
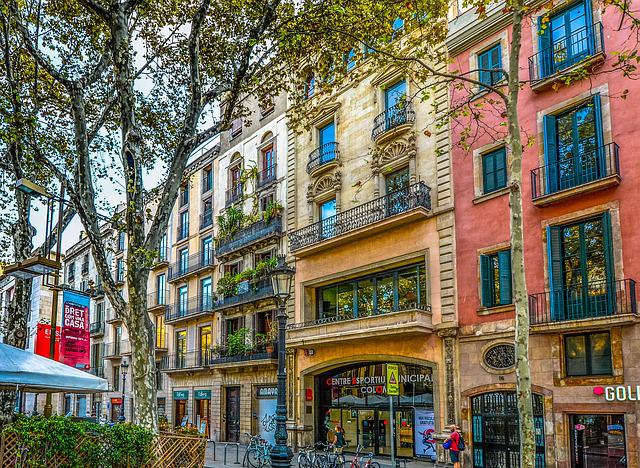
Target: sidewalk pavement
x,y
218,462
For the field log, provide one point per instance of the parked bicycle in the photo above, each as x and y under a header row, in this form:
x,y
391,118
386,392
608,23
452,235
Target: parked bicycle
x,y
330,458
258,452
358,458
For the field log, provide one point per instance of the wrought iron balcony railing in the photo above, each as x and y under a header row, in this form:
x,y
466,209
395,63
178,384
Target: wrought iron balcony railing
x,y
163,255
206,219
158,299
112,316
575,171
258,353
208,357
267,175
117,349
566,52
247,291
186,360
392,118
379,209
256,232
322,155
193,263
96,328
234,194
182,232
344,317
192,307
592,301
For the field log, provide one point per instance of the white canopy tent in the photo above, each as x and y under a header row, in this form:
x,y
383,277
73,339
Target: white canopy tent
x,y
23,370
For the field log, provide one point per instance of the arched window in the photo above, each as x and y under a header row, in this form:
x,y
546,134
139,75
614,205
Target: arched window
x,y
309,86
267,160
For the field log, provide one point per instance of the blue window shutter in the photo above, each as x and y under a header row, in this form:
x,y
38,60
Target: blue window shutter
x,y
551,154
504,262
496,63
483,65
486,281
556,281
545,63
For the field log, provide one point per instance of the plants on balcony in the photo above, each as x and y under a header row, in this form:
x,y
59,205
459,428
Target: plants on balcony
x,y
274,209
238,342
230,222
228,284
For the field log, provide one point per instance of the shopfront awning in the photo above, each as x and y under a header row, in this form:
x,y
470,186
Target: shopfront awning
x,y
20,369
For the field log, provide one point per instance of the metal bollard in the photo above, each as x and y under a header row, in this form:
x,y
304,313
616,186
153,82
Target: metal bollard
x,y
237,462
214,448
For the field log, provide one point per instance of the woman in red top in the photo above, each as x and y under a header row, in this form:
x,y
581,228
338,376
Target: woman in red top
x,y
454,451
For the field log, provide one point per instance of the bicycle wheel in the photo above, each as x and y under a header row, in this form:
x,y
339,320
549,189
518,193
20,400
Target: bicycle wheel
x,y
303,460
321,461
374,465
254,457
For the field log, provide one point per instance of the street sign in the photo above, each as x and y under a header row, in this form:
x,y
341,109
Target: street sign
x,y
393,388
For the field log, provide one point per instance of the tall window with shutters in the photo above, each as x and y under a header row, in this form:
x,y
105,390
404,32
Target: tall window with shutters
x,y
495,277
489,60
494,170
581,270
574,146
566,37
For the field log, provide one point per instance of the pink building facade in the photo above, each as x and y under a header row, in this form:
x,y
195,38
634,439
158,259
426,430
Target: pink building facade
x,y
581,204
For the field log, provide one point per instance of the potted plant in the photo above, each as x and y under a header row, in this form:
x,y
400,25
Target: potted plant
x,y
271,337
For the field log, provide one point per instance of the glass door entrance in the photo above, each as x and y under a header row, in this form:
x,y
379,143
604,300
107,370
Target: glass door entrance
x,y
371,428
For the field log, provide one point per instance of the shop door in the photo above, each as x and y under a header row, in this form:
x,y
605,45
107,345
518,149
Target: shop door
x,y
179,412
496,439
267,419
597,441
115,411
233,414
202,416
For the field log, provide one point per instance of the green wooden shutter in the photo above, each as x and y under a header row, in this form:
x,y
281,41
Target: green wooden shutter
x,y
608,259
500,168
556,280
601,154
486,281
550,154
545,63
504,262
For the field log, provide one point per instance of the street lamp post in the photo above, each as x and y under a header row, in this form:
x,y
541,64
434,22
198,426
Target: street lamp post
x,y
281,280
124,366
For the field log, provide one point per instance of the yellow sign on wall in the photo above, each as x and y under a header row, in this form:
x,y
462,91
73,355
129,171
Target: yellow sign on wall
x,y
393,388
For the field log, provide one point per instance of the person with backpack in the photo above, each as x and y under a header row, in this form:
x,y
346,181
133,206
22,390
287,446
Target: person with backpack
x,y
455,444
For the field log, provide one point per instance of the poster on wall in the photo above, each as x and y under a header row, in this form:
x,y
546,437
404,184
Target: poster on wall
x,y
424,430
74,341
43,341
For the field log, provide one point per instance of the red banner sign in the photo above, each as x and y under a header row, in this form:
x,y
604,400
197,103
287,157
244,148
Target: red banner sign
x,y
75,343
43,341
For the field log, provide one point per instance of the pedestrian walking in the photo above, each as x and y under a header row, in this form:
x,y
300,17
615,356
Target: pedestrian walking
x,y
455,445
338,439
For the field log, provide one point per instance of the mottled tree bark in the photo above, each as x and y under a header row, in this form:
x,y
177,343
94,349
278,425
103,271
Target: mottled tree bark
x,y
523,373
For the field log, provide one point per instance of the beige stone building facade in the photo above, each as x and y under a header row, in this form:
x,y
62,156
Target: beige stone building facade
x,y
370,227
227,229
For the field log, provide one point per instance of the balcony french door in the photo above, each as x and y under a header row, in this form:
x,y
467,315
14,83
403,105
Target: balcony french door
x,y
397,185
328,218
581,270
571,36
579,161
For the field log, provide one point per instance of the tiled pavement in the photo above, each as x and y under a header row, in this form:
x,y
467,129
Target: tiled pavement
x,y
218,462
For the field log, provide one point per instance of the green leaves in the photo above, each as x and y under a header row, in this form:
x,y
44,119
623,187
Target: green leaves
x,y
70,443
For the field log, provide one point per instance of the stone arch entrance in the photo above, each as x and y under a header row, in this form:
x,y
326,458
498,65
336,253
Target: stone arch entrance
x,y
352,394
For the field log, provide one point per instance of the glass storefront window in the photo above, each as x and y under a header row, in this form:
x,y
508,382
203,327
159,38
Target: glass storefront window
x,y
598,440
392,290
355,398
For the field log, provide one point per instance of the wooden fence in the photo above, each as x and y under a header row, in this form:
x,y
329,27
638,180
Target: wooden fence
x,y
170,451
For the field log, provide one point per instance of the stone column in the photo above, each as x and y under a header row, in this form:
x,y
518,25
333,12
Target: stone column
x,y
448,336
